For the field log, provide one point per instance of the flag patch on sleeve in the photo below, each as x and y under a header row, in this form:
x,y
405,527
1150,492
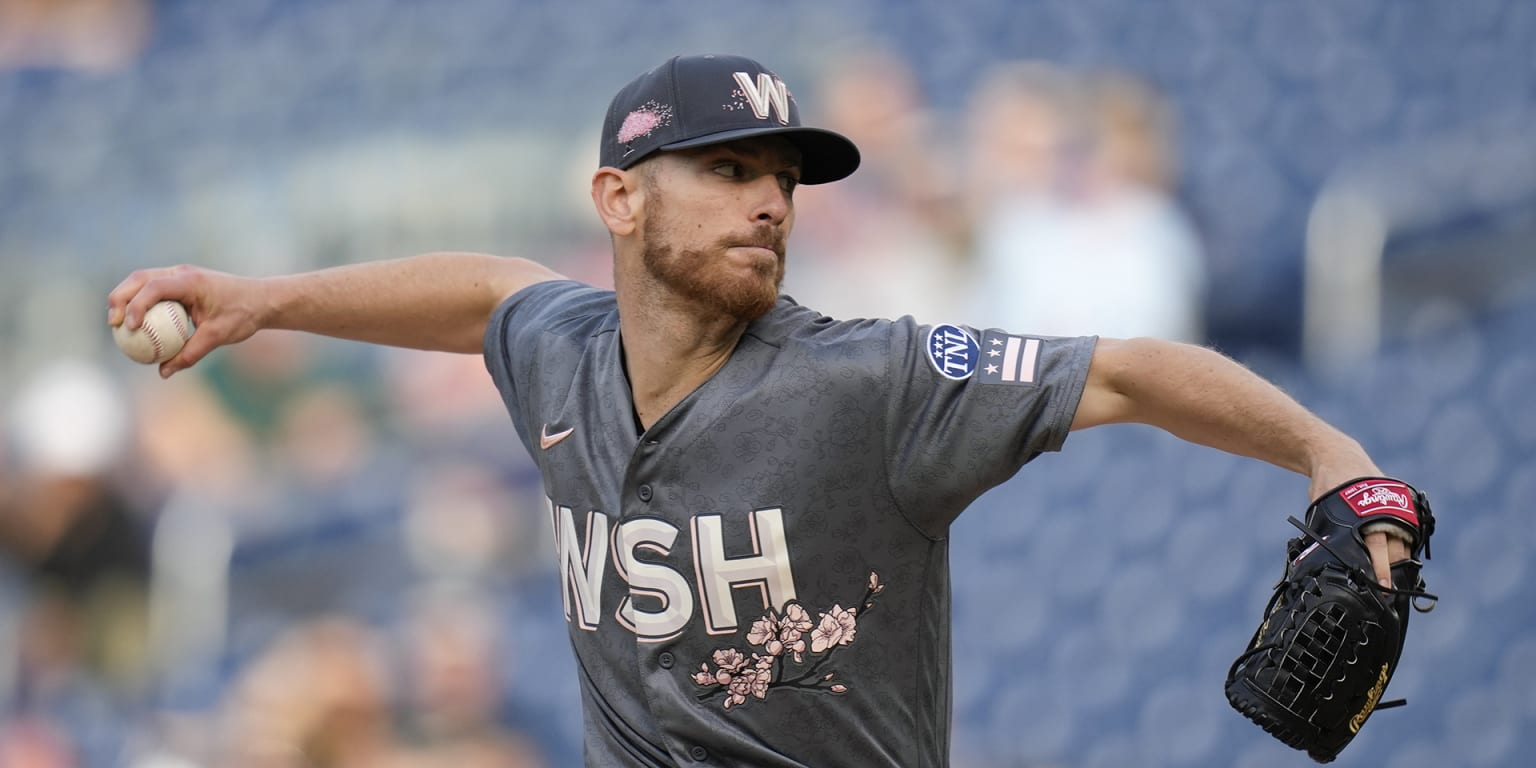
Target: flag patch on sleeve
x,y
1008,359
953,351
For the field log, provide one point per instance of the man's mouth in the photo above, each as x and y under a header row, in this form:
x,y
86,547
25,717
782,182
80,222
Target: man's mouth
x,y
773,246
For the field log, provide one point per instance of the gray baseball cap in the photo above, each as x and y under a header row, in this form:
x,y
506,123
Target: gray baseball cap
x,y
695,101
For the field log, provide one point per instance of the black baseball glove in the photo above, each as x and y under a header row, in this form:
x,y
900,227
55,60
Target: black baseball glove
x,y
1331,634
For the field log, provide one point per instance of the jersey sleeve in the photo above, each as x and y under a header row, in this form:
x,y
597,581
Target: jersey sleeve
x,y
514,339
969,408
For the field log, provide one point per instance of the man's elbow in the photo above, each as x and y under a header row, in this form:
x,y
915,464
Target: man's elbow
x,y
1117,368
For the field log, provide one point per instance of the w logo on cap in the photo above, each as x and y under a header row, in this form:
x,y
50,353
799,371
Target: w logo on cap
x,y
767,94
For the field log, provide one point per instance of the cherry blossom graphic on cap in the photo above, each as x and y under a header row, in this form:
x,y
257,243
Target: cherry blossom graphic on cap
x,y
641,122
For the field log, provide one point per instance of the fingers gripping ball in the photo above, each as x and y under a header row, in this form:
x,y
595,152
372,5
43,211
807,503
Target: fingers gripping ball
x,y
1331,635
165,330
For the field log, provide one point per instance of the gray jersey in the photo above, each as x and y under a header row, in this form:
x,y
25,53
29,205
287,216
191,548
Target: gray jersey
x,y
762,577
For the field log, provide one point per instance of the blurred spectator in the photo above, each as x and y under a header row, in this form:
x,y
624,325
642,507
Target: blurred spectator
x,y
196,444
319,696
257,385
287,414
323,694
880,243
1020,121
439,396
34,743
87,35
1076,229
323,439
69,527
463,522
454,681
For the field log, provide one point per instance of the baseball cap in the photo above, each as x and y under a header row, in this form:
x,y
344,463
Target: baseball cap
x,y
695,101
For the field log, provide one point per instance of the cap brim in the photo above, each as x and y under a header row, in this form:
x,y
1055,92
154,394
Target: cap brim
x,y
825,156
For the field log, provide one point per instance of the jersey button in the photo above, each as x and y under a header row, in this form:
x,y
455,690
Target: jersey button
x,y
666,659
644,492
699,754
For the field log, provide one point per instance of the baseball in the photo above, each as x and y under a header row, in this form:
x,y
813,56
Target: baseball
x,y
165,329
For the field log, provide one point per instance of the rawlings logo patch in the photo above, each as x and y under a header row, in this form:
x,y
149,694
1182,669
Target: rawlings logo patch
x,y
1381,497
952,351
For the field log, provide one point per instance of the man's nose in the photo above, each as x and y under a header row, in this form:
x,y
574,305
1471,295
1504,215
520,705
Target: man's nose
x,y
770,203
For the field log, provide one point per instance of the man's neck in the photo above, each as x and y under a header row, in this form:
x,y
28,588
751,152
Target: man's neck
x,y
669,350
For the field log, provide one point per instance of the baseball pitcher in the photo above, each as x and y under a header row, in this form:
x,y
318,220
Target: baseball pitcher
x,y
751,500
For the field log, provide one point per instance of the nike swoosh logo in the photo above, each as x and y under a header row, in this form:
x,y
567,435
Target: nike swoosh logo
x,y
547,440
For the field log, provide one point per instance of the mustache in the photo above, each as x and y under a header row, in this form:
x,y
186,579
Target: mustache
x,y
765,237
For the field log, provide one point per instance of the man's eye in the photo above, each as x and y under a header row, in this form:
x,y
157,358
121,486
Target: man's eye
x,y
788,182
729,170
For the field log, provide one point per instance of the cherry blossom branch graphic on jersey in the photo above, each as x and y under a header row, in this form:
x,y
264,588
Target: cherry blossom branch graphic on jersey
x,y
783,639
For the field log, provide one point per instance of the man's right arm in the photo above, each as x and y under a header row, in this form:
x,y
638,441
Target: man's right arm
x,y
436,301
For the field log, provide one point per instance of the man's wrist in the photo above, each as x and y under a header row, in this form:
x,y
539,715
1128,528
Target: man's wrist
x,y
1340,461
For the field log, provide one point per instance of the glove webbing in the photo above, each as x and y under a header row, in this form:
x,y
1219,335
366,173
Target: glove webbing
x,y
1334,634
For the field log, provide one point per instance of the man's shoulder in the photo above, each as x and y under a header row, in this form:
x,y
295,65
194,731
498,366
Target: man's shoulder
x,y
562,307
545,327
790,324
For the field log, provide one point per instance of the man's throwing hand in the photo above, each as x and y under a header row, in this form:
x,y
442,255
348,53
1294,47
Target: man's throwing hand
x,y
224,308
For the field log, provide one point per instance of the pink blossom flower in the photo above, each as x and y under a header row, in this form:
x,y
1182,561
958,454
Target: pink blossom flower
x,y
848,620
762,629
773,647
796,619
839,688
760,681
729,659
792,628
753,684
742,684
703,677
837,627
798,648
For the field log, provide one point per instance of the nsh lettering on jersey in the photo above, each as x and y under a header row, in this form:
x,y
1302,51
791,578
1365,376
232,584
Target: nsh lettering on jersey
x,y
584,554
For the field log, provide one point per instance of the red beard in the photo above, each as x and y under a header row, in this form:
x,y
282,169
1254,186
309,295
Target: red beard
x,y
696,275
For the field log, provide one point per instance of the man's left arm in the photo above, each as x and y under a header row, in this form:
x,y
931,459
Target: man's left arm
x,y
1204,397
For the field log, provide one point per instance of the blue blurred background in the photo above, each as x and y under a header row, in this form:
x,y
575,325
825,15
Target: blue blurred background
x,y
319,545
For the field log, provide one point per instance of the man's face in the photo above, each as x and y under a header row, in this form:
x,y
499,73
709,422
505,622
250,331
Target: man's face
x,y
716,221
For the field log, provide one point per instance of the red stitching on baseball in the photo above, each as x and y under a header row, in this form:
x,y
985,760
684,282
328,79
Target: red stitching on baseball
x,y
181,328
153,339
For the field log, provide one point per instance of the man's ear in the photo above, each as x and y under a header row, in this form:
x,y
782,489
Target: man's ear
x,y
619,198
